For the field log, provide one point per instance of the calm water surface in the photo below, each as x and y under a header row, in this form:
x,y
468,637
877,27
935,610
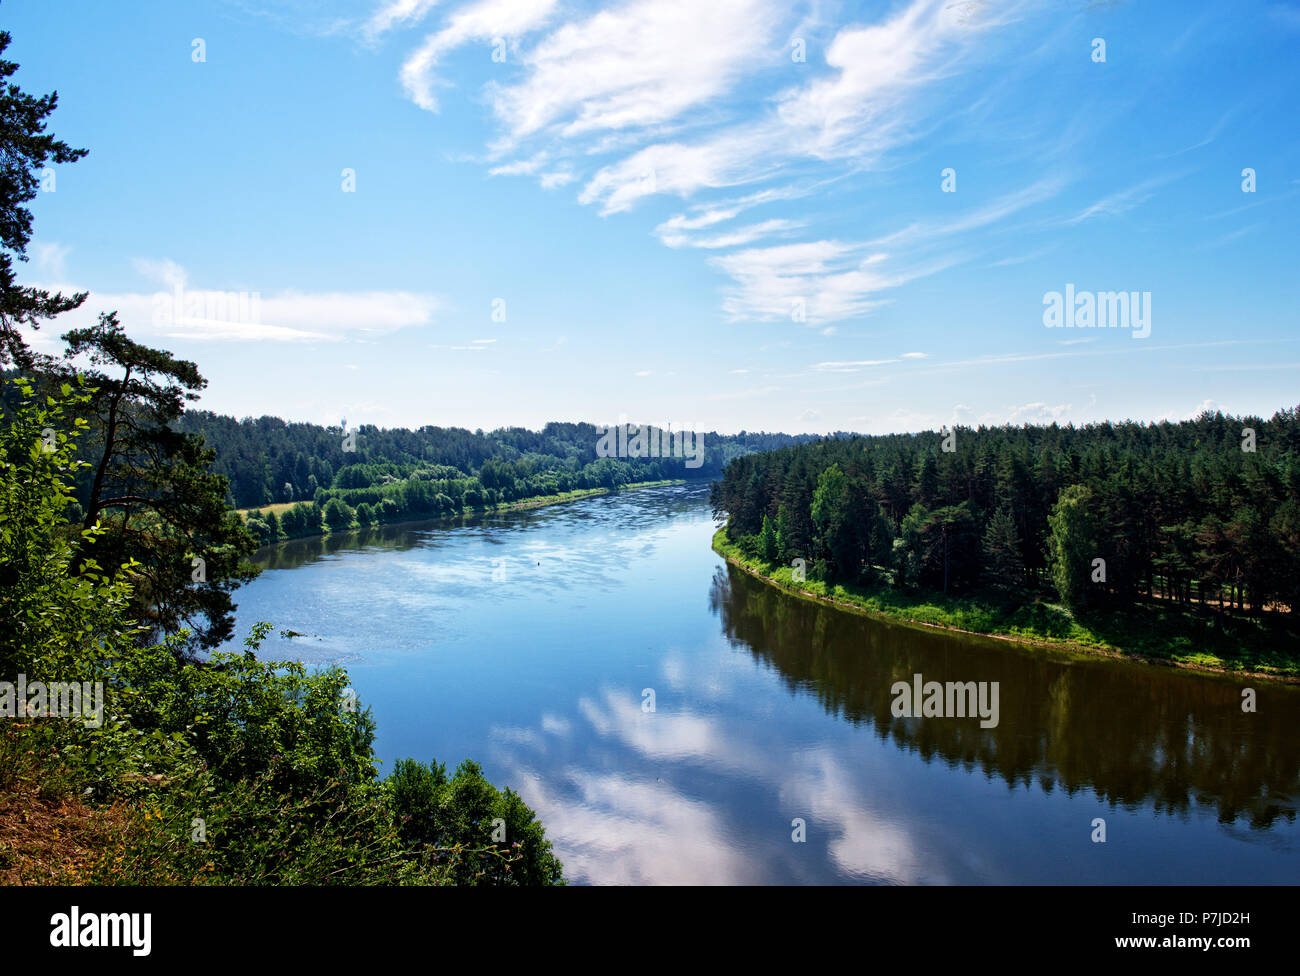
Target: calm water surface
x,y
769,708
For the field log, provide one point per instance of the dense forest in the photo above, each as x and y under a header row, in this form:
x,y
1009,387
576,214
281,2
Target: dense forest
x,y
329,477
268,460
1205,511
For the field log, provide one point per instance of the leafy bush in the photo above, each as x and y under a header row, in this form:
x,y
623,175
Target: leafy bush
x,y
337,514
462,816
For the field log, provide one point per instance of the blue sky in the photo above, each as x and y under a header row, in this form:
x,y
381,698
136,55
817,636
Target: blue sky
x,y
728,214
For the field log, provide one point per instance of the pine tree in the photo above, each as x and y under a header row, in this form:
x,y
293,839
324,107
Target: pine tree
x,y
767,540
1004,565
26,150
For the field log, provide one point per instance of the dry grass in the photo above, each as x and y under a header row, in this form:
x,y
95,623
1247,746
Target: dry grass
x,y
54,841
279,508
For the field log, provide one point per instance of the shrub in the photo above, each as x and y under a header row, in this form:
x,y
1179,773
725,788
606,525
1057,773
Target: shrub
x,y
457,817
338,515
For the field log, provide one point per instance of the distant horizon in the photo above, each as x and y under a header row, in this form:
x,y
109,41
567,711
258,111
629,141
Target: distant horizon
x,y
755,430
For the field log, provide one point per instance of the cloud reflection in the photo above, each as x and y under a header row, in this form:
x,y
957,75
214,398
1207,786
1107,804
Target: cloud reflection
x,y
690,818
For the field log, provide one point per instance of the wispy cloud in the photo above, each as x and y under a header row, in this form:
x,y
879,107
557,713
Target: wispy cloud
x,y
1117,204
179,309
485,21
395,13
644,93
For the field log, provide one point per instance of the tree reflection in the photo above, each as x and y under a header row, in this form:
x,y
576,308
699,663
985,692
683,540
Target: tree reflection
x,y
1134,734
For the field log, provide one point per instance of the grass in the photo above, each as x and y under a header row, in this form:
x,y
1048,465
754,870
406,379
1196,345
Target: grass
x,y
279,508
1266,644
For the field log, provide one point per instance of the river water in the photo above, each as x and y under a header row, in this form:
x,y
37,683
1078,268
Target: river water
x,y
536,642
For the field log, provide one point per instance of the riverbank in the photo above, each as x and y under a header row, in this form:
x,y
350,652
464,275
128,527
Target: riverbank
x,y
538,501
1175,636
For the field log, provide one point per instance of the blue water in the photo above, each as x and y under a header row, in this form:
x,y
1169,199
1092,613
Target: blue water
x,y
527,641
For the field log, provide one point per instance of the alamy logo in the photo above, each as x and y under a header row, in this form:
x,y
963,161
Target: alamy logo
x,y
949,699
644,441
54,699
183,307
74,930
1098,310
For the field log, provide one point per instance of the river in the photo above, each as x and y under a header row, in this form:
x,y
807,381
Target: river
x,y
673,720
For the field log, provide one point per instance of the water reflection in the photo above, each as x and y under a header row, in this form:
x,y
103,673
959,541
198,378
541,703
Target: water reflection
x,y
681,796
1131,733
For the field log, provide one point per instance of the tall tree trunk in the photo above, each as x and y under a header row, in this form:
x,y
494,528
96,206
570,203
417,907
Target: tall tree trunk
x,y
96,489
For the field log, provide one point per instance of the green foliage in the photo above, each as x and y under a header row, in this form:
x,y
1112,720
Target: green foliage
x,y
834,535
249,718
151,489
1072,543
338,515
26,150
1005,566
938,548
300,520
463,816
259,457
1181,511
1160,631
54,624
768,543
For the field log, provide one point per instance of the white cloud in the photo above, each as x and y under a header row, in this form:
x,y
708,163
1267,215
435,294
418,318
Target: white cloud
x,y
520,167
852,366
395,13
1035,413
641,64
179,310
999,209
813,282
854,114
1122,202
730,158
740,236
1175,416
163,271
722,210
50,260
562,177
483,21
624,83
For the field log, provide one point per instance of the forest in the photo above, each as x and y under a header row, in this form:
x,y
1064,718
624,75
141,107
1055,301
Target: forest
x,y
1204,512
268,460
318,477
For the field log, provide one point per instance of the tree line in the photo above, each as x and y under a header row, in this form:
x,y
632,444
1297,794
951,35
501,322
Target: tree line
x,y
268,460
1204,511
